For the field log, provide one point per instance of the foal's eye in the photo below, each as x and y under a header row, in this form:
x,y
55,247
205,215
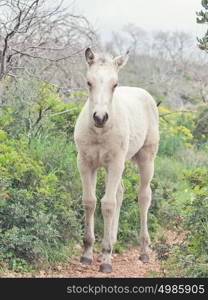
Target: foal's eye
x,y
115,85
89,84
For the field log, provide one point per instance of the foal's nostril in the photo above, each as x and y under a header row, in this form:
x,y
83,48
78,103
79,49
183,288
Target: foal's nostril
x,y
105,117
96,118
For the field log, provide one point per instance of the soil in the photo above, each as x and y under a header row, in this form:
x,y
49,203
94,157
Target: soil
x,y
124,265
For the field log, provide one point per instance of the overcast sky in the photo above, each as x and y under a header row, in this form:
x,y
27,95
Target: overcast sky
x,y
108,15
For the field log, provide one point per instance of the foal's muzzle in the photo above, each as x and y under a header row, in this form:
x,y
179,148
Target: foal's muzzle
x,y
100,121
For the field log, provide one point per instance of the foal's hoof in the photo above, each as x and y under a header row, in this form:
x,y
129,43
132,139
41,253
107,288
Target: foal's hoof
x,y
99,258
85,260
144,258
105,268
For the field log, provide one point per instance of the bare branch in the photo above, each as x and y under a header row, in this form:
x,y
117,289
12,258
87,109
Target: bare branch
x,y
60,113
177,112
47,58
35,37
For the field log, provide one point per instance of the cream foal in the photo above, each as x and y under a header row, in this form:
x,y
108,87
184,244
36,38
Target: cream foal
x,y
116,124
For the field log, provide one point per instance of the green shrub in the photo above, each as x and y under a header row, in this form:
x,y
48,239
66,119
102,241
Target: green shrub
x,y
200,131
36,213
33,108
190,257
196,218
175,131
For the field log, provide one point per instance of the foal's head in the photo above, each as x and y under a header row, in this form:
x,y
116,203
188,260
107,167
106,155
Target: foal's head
x,y
102,80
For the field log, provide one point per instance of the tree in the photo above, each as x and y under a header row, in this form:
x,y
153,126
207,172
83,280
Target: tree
x,y
202,18
42,39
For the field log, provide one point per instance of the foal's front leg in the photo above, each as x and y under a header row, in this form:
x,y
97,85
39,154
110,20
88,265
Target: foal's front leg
x,y
88,177
109,205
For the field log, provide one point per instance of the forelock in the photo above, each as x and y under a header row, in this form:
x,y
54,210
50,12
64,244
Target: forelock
x,y
104,58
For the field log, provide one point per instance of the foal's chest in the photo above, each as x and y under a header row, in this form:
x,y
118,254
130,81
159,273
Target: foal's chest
x,y
101,152
99,157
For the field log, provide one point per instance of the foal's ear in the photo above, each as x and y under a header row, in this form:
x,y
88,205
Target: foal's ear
x,y
121,60
89,55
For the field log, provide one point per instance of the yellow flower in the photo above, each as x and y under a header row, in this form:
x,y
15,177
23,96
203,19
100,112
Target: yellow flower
x,y
185,131
163,110
188,145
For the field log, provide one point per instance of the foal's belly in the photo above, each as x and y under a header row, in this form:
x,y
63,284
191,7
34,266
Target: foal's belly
x,y
136,141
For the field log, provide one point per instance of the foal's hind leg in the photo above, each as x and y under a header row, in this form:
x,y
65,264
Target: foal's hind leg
x,y
145,160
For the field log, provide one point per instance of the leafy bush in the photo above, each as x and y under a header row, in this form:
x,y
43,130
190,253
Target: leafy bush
x,y
34,109
174,136
35,207
200,131
190,257
39,192
196,220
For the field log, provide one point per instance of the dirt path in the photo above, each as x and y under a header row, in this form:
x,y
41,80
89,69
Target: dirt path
x,y
124,265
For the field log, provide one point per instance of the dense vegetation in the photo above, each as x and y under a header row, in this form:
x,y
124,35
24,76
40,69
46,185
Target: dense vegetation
x,y
41,215
40,191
